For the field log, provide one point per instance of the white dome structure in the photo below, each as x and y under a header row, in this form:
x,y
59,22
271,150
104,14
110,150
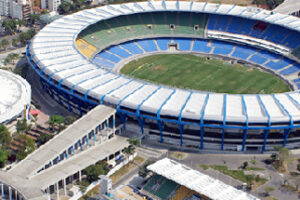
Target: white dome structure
x,y
15,95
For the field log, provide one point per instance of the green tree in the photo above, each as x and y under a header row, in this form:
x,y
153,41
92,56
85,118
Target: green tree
x,y
9,25
5,136
65,8
249,181
56,120
245,165
28,146
134,141
43,138
22,126
129,150
33,18
285,156
273,157
21,23
3,157
15,42
4,43
93,172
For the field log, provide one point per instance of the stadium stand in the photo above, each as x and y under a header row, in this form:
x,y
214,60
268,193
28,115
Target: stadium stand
x,y
103,62
85,48
148,45
163,43
161,187
132,47
201,46
256,29
223,48
120,52
184,43
108,56
181,193
243,52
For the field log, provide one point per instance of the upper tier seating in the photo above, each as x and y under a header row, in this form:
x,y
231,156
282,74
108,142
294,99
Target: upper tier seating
x,y
256,29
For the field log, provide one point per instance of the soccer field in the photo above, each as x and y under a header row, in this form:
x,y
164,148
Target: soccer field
x,y
197,73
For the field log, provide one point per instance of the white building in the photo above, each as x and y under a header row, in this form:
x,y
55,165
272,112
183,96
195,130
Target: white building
x,y
4,7
15,96
44,4
53,4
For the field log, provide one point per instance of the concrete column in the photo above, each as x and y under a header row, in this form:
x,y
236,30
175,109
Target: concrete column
x,y
48,193
2,190
16,194
9,193
57,191
79,175
114,124
107,125
65,187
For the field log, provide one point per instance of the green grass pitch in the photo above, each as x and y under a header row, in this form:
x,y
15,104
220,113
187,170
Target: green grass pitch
x,y
197,73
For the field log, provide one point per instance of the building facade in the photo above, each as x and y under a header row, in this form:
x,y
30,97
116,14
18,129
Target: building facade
x,y
4,7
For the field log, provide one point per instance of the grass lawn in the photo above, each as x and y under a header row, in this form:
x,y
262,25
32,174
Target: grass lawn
x,y
125,169
178,155
236,174
90,193
195,72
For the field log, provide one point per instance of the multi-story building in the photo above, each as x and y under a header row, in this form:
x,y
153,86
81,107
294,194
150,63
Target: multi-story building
x,y
53,4
4,7
20,9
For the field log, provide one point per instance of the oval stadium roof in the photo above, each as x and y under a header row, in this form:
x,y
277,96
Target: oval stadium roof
x,y
15,95
54,51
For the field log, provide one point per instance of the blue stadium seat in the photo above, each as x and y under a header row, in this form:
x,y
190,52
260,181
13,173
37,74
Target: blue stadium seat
x,y
292,40
235,24
221,44
243,52
163,43
103,62
201,46
290,70
222,51
222,48
120,52
212,20
132,47
268,55
184,43
279,64
258,59
108,56
222,23
147,44
296,80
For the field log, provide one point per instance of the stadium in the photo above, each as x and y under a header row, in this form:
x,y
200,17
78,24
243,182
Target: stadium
x,y
15,98
78,60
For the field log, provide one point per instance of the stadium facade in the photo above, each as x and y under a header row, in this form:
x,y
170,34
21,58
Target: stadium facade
x,y
81,79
